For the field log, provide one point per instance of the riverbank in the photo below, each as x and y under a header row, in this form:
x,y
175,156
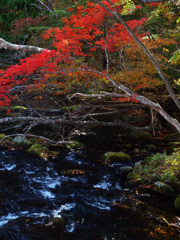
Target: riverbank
x,y
100,192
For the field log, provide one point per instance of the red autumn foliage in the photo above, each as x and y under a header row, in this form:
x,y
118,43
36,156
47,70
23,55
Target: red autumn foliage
x,y
90,28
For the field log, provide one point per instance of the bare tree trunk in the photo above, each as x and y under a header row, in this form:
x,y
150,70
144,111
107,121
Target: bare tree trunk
x,y
119,19
16,47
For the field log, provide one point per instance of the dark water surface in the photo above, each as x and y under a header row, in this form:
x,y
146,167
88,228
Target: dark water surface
x,y
38,202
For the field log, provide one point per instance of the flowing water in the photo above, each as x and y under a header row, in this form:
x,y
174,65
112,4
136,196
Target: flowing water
x,y
39,202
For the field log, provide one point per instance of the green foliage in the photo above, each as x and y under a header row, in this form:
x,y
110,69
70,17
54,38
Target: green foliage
x,y
175,57
165,166
11,10
162,19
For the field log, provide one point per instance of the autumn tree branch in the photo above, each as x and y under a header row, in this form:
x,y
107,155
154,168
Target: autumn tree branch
x,y
119,19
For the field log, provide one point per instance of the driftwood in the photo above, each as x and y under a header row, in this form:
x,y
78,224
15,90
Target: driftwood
x,y
77,123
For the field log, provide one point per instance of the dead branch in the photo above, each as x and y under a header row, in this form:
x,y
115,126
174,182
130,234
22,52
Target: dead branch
x,y
51,122
17,47
41,137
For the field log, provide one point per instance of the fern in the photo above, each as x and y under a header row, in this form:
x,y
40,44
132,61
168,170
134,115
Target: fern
x,y
175,57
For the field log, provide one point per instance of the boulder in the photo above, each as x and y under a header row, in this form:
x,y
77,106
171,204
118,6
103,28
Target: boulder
x,y
164,188
138,165
154,177
39,151
110,157
133,176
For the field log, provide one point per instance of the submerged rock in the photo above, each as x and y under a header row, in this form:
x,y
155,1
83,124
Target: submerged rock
x,y
164,188
72,172
116,157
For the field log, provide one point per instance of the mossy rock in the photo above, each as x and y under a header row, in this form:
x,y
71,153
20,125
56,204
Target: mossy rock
x,y
177,203
134,182
40,141
164,188
140,134
22,141
116,157
138,165
154,177
75,145
39,151
133,176
72,172
171,179
143,151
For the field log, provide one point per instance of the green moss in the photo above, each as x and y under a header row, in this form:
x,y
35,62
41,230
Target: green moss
x,y
75,145
39,151
18,107
2,136
173,145
166,166
133,176
40,141
116,157
71,108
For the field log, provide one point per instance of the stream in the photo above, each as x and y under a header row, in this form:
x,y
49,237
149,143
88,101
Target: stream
x,y
39,202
